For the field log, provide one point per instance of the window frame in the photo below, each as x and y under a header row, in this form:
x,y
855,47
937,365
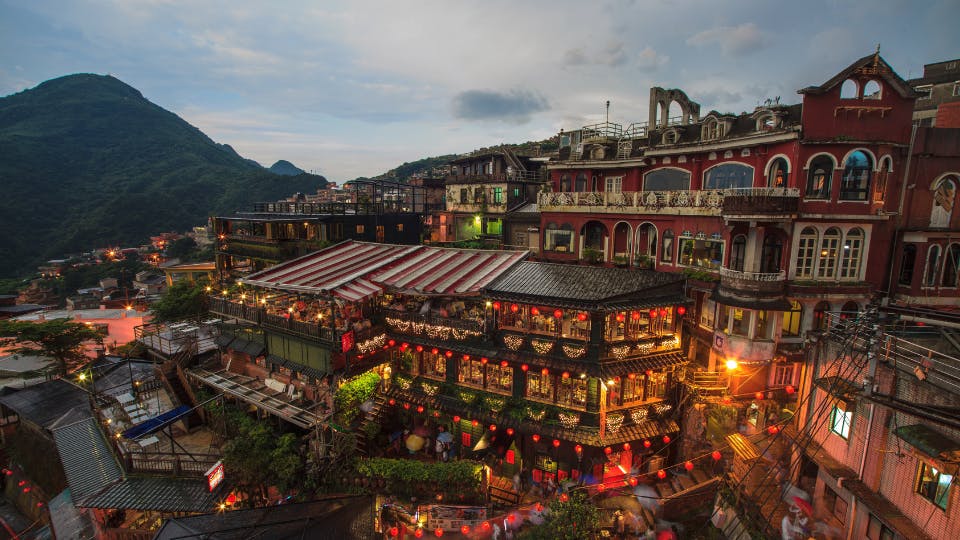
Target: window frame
x,y
856,180
829,254
792,320
940,499
841,429
709,180
784,374
932,267
851,257
806,258
827,165
684,240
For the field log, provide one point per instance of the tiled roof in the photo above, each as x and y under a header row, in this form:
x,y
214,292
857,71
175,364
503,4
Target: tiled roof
x,y
157,494
568,285
44,403
87,460
639,365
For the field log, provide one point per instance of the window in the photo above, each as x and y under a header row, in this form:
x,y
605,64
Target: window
x,y
872,90
944,196
738,250
498,195
464,196
360,229
880,187
819,177
829,247
835,504
855,182
783,374
499,379
852,254
820,315
470,372
561,239
433,365
791,319
539,385
956,89
729,176
701,253
951,263
908,261
711,129
399,227
739,321
614,184
581,183
771,254
632,388
666,180
381,233
572,392
565,182
840,419
849,90
933,264
656,385
876,530
933,485
762,328
778,173
707,312
806,250
924,92
666,254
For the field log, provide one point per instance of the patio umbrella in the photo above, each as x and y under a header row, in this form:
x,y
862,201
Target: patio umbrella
x,y
803,506
445,437
415,443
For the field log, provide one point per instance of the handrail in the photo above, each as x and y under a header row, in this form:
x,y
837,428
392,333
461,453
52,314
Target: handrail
x,y
753,276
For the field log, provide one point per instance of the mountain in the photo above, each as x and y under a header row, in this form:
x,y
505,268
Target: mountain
x,y
285,168
86,161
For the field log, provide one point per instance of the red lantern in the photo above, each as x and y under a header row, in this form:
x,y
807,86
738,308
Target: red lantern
x,y
681,310
438,532
524,367
534,311
467,357
493,427
404,345
773,430
564,497
557,314
661,474
581,316
484,360
406,406
496,306
475,423
758,396
632,481
419,348
511,518
666,439
556,443
39,505
535,437
504,364
544,371
688,465
434,350
392,402
600,488
790,389
485,525
418,533
726,400
21,483
394,532
8,472
539,507
436,414
391,343
608,450
632,376
716,455
635,315
566,375
663,313
514,308
26,489
578,449
646,444
448,354
464,530
456,419
510,431
626,446
620,317
420,409
653,313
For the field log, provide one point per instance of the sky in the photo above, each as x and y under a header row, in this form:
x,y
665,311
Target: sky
x,y
354,88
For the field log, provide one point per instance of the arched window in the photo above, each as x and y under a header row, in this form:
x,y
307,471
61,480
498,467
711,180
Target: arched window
x,y
944,197
872,90
709,131
880,186
738,251
857,171
666,253
806,253
849,90
818,177
951,263
666,180
850,310
852,254
771,254
777,177
791,319
908,261
820,312
565,182
933,264
829,247
580,184
729,176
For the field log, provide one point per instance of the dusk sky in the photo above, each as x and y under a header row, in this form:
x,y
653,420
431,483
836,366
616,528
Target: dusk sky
x,y
355,88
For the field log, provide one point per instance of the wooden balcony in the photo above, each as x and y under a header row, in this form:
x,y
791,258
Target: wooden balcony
x,y
434,327
258,315
761,203
707,382
690,202
164,463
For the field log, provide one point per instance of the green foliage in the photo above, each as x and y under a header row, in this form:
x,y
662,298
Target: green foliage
x,y
572,520
184,299
702,275
351,394
12,286
80,277
59,339
592,256
407,477
99,156
180,248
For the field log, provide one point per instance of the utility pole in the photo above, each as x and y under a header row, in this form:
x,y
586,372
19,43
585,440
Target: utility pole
x,y
608,111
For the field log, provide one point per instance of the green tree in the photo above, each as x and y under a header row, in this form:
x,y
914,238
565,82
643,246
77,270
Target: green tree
x,y
184,299
181,248
571,520
60,339
286,463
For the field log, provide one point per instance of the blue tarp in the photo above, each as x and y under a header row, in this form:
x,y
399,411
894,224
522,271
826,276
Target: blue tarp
x,y
156,423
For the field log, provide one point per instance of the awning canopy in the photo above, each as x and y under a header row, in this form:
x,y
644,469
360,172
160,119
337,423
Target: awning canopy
x,y
931,442
156,423
442,271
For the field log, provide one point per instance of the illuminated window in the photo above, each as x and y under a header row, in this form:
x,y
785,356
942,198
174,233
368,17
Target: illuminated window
x,y
539,386
656,385
360,229
933,485
806,253
829,248
572,392
791,319
840,420
852,253
783,374
701,253
778,173
819,177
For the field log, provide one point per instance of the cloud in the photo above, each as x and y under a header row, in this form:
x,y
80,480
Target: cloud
x,y
733,40
514,106
574,57
650,60
614,54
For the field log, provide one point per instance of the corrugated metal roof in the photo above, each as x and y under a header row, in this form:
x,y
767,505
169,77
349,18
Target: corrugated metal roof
x,y
87,460
157,494
445,271
43,404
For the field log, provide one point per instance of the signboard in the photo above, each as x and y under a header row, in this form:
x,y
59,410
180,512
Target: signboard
x,y
215,475
451,517
346,341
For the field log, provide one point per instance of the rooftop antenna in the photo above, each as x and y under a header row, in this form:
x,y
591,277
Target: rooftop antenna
x,y
608,111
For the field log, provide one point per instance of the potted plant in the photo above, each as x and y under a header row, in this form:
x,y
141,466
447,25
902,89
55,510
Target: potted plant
x,y
592,256
644,261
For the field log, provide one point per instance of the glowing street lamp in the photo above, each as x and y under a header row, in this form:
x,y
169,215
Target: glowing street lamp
x,y
731,364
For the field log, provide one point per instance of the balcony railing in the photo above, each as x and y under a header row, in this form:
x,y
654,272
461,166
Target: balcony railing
x,y
694,202
297,328
761,201
433,326
195,465
603,130
753,282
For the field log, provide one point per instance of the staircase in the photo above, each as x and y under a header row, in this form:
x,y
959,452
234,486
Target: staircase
x,y
373,417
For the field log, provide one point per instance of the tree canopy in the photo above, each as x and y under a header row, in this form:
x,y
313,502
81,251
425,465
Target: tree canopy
x,y
184,299
60,339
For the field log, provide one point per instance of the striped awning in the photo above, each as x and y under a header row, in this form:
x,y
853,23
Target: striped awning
x,y
357,290
445,271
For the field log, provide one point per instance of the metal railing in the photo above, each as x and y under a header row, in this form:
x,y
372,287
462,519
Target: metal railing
x,y
752,276
602,130
637,200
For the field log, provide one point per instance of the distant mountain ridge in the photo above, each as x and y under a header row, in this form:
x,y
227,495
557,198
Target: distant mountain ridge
x,y
284,167
86,161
